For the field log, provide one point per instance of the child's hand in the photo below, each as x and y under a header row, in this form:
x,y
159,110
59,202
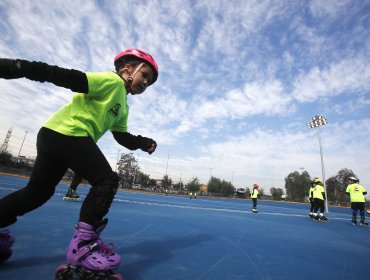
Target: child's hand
x,y
152,148
148,145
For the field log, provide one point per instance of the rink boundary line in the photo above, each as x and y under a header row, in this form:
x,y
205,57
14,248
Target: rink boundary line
x,y
214,209
194,207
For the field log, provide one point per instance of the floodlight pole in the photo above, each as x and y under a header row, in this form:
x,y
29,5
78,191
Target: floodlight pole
x,y
318,121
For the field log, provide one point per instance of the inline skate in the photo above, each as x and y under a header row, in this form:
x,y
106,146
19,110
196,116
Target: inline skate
x,y
88,257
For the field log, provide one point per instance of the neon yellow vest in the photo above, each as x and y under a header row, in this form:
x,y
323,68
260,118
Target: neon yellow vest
x,y
103,108
356,192
254,193
317,193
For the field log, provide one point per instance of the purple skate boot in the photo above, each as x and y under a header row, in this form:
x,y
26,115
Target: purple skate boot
x,y
88,257
6,242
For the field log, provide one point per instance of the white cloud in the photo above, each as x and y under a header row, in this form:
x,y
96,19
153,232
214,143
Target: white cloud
x,y
329,8
346,76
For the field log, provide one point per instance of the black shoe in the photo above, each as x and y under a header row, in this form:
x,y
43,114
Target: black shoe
x,y
72,194
323,219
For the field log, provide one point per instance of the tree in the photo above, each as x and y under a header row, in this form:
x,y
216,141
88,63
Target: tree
x,y
297,185
333,189
226,188
214,185
166,182
128,168
6,158
152,183
336,185
194,185
276,193
142,178
261,191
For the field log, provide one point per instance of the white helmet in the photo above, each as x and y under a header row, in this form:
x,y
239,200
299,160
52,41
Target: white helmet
x,y
353,179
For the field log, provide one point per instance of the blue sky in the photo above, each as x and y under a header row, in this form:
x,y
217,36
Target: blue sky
x,y
238,81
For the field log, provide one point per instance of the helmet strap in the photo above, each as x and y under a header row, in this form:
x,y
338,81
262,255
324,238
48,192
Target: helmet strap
x,y
132,76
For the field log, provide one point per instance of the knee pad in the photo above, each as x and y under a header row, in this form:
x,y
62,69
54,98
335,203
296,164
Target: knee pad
x,y
106,189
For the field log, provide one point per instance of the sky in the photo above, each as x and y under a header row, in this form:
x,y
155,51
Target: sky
x,y
238,82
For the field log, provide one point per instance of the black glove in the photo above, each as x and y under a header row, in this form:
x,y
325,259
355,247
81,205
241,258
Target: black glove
x,y
11,68
146,144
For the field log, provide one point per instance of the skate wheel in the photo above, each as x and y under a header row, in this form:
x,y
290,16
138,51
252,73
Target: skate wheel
x,y
5,254
63,272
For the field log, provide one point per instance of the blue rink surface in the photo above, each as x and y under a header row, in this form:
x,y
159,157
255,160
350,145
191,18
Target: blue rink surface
x,y
168,237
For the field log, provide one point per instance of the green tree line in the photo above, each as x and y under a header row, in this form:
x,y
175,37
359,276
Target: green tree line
x,y
297,186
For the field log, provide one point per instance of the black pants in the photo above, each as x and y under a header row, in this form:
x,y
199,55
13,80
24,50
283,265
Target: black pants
x,y
75,182
55,154
312,205
355,206
318,204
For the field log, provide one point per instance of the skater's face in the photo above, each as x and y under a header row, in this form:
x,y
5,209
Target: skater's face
x,y
140,77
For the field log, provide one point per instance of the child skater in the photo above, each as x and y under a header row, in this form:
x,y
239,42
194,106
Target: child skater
x,y
357,194
319,200
68,140
254,196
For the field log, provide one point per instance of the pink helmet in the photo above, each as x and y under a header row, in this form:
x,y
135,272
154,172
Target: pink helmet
x,y
142,56
255,186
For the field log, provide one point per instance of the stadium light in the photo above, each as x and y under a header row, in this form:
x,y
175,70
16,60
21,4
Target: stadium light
x,y
318,121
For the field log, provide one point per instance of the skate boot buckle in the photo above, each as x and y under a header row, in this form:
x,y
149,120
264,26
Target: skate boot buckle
x,y
87,249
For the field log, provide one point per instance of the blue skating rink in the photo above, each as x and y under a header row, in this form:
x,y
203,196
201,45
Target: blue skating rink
x,y
166,237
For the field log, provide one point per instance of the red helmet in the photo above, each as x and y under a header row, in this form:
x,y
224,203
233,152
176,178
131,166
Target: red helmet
x,y
255,186
142,56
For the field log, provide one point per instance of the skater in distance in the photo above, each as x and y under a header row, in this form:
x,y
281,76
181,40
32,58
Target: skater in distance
x,y
68,140
357,193
319,197
254,195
